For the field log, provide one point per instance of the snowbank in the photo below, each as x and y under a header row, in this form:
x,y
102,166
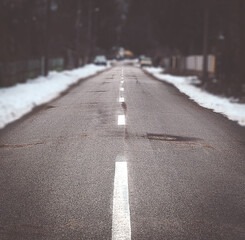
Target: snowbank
x,y
20,99
233,111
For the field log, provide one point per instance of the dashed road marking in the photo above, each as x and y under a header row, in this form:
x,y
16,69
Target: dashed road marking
x,y
121,226
122,89
121,120
121,99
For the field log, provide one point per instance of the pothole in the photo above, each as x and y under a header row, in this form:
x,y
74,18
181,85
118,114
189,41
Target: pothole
x,y
170,138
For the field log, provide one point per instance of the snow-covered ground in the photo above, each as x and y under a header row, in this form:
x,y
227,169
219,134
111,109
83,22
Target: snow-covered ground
x,y
228,107
20,99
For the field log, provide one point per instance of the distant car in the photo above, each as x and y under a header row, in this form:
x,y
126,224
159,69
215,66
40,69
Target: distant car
x,y
100,60
141,57
145,62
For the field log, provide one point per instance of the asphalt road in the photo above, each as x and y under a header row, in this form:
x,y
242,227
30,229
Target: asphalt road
x,y
180,170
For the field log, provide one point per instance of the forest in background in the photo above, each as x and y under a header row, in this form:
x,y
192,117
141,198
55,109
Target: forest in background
x,y
76,30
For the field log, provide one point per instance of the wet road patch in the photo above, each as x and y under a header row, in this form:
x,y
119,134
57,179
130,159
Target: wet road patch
x,y
49,107
47,141
124,106
9,146
99,91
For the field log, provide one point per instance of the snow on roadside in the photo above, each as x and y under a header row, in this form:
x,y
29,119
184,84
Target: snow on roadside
x,y
233,111
20,99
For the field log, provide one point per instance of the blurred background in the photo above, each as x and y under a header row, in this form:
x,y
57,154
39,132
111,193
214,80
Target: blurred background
x,y
186,37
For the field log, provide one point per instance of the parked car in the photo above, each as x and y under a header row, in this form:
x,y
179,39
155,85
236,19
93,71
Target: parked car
x,y
145,62
100,60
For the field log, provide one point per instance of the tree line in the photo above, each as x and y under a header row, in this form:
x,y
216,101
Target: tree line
x,y
33,28
79,29
177,27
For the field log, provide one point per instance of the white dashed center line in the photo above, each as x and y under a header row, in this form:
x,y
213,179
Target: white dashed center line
x,y
121,99
121,120
121,226
122,89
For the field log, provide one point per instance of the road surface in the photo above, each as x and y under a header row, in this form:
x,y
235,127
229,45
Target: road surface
x,y
122,156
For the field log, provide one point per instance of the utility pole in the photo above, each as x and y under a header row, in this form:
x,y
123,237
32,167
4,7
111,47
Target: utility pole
x,y
89,29
96,27
46,38
78,33
205,43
